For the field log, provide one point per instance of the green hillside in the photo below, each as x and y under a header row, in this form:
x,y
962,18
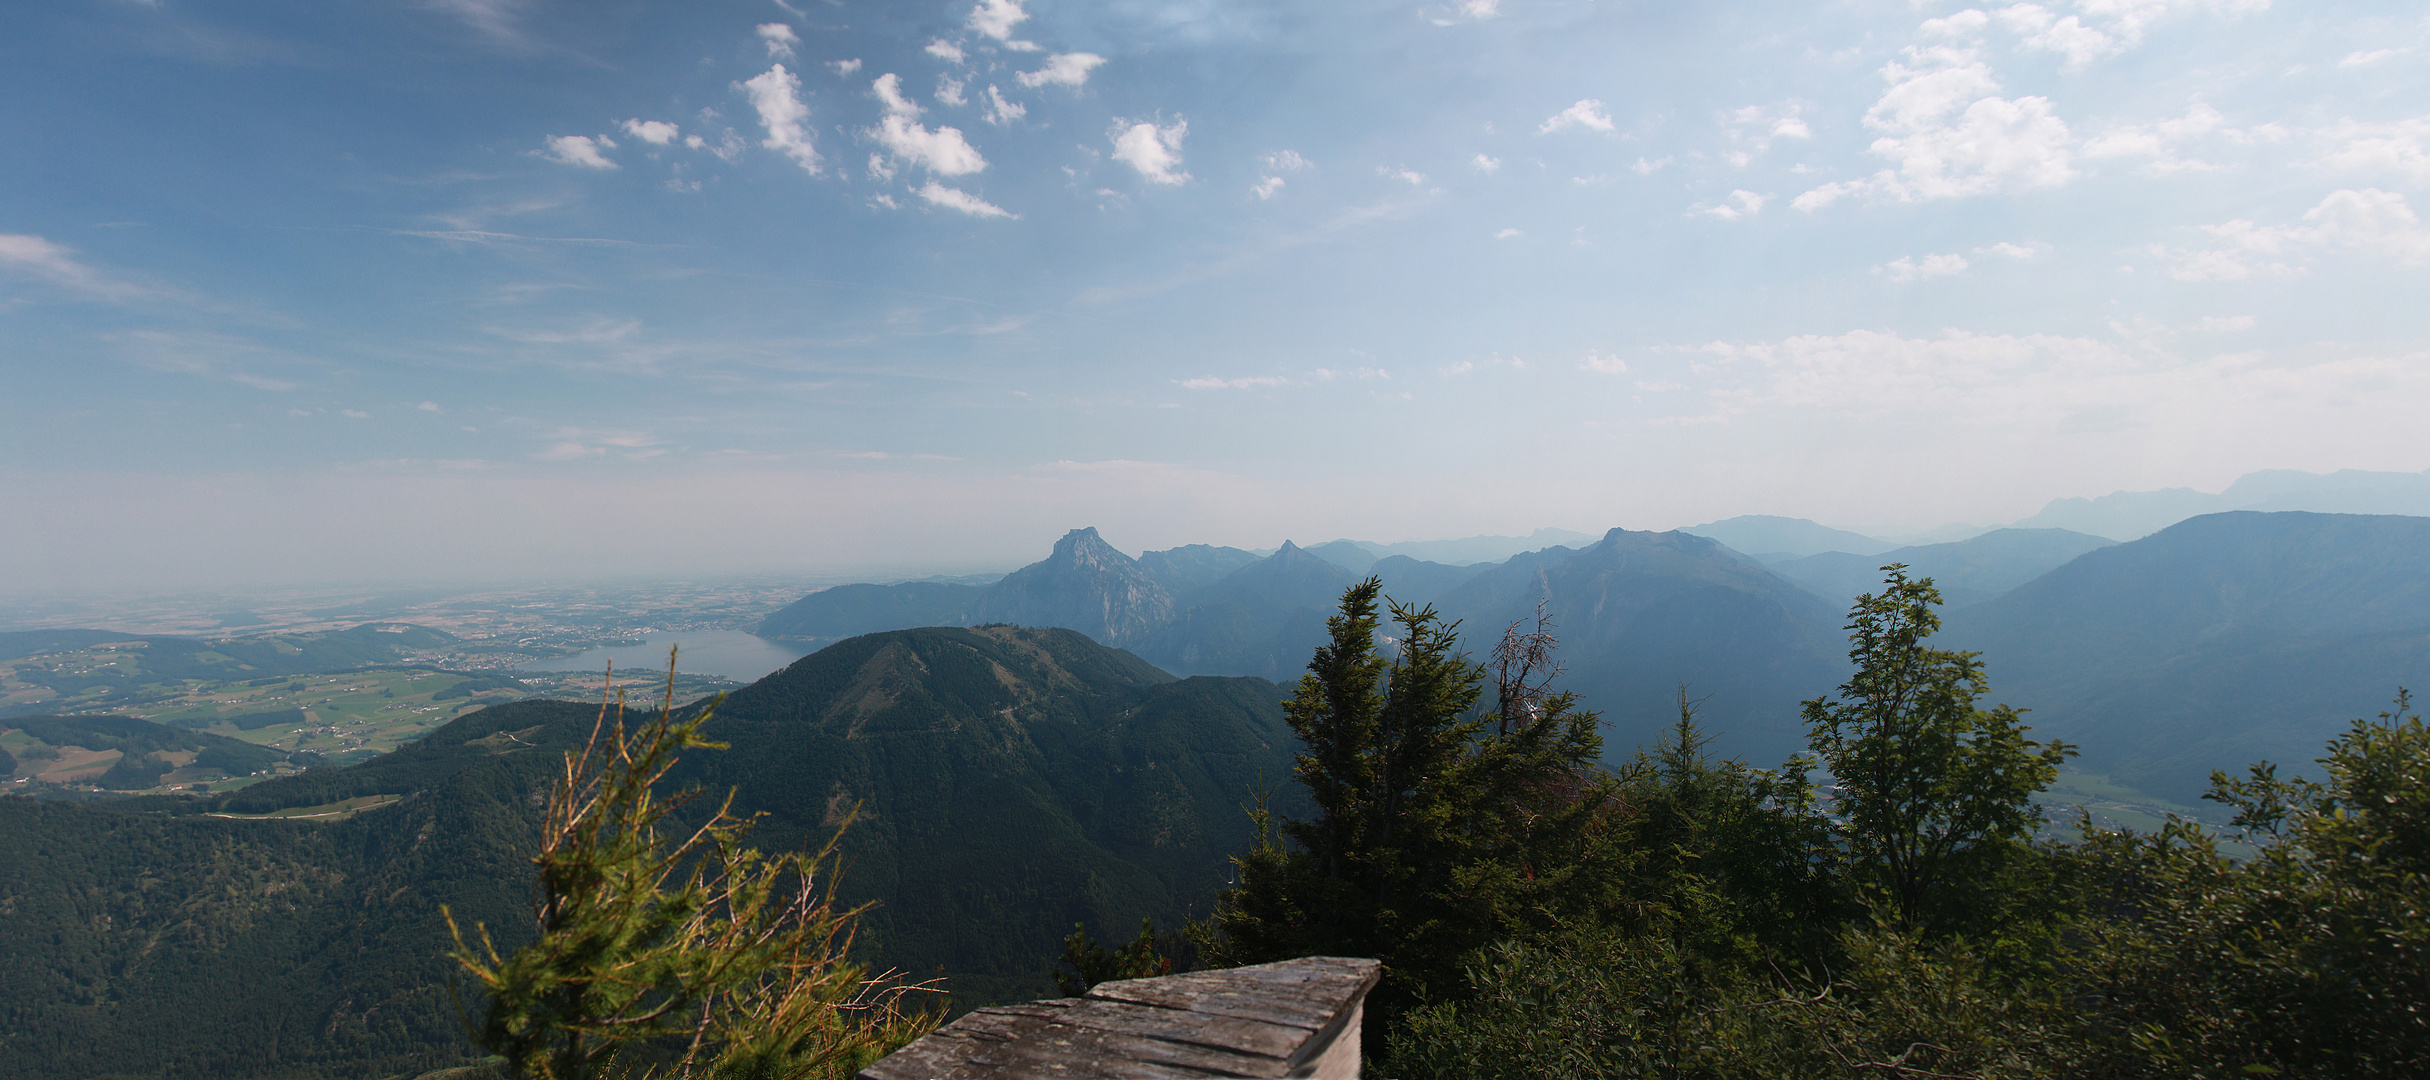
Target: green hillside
x,y
1013,781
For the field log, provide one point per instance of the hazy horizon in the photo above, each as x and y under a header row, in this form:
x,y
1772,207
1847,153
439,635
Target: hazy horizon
x,y
492,290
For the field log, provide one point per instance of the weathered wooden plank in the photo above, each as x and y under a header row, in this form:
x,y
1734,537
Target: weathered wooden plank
x,y
1305,993
1262,1022
1277,1041
1083,1052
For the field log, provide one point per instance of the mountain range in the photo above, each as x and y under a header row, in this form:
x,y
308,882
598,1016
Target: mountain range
x,y
1641,614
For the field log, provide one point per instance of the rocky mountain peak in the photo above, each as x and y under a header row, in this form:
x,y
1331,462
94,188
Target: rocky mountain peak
x,y
1083,545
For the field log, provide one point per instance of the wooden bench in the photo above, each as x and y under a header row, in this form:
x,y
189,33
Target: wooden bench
x,y
1297,1018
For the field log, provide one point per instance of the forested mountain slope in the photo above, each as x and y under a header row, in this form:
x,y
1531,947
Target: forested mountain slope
x,y
1013,781
1640,613
2220,640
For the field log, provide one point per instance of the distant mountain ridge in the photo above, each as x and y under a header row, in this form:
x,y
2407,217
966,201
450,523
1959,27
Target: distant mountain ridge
x,y
2129,515
2223,639
1968,571
1766,536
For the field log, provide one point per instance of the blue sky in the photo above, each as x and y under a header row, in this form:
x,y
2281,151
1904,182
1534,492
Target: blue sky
x,y
489,288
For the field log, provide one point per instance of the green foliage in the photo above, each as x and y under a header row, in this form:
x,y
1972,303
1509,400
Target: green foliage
x,y
1605,1003
1740,863
1935,796
1092,963
2311,958
1437,829
732,960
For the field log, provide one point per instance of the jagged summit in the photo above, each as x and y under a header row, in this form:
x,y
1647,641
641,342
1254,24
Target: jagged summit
x,y
1085,585
1083,547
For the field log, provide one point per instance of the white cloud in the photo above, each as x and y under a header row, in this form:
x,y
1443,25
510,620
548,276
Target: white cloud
x,y
2105,28
1062,69
775,93
653,132
996,18
430,406
1411,177
2160,141
1740,204
1000,111
1486,164
1966,25
1266,187
2067,36
2369,220
1508,234
1154,151
1587,113
2365,59
1753,128
844,68
2019,252
37,257
780,39
575,444
2402,146
1286,161
579,150
956,199
1605,363
1952,136
946,51
943,151
889,90
354,414
1908,268
949,91
1648,168
1252,382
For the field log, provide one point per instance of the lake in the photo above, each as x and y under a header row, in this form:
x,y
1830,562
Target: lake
x,y
731,653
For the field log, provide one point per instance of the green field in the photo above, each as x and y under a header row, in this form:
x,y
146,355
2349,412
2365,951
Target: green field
x,y
345,717
336,811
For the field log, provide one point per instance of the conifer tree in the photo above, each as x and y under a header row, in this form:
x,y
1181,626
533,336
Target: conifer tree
x,y
697,958
1437,828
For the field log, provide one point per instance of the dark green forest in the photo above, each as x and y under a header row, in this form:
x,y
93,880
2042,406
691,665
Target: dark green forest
x,y
1911,915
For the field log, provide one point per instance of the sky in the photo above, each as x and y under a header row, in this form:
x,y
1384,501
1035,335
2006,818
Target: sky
x,y
523,289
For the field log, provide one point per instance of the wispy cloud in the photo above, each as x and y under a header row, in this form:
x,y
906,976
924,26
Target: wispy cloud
x,y
1062,69
35,257
1587,113
578,150
780,38
956,199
